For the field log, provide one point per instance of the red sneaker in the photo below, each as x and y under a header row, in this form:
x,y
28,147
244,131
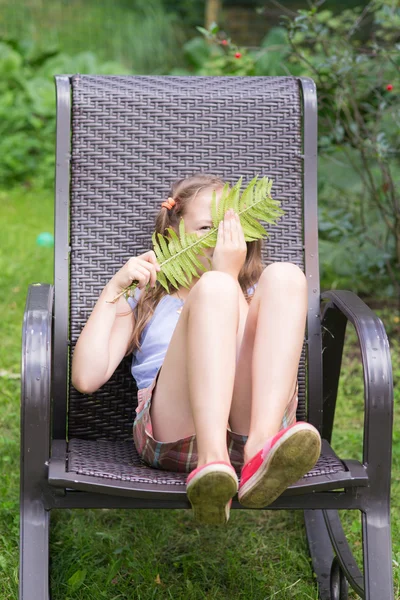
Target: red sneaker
x,y
283,460
210,489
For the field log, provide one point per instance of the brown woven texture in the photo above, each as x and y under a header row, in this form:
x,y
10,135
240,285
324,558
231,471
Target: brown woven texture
x,y
120,461
132,136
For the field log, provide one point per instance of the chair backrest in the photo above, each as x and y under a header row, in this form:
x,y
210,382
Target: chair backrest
x,y
131,137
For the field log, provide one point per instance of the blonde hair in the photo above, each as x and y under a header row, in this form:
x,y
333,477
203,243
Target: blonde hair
x,y
184,191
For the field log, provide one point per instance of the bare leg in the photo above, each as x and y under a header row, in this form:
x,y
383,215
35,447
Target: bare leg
x,y
194,390
270,354
212,328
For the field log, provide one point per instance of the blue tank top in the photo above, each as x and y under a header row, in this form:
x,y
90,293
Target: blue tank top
x,y
156,336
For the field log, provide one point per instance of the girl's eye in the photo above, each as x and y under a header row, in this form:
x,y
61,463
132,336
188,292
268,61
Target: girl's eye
x,y
205,226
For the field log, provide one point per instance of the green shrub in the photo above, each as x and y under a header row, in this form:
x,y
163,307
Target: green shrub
x,y
356,74
143,35
358,120
213,54
28,107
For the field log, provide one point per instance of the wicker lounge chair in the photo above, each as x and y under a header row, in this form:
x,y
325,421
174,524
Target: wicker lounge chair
x,y
120,141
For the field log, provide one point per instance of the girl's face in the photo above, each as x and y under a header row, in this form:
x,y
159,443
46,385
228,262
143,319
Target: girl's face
x,y
198,220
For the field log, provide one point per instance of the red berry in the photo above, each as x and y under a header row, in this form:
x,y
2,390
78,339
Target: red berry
x,y
238,55
389,87
224,42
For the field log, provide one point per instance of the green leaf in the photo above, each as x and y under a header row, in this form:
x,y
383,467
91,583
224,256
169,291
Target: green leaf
x,y
229,200
163,280
214,28
163,245
202,30
247,195
76,580
182,234
178,256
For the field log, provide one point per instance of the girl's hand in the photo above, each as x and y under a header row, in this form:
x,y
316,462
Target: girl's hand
x,y
141,268
231,249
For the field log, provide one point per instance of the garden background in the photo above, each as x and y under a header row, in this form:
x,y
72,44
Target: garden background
x,y
351,49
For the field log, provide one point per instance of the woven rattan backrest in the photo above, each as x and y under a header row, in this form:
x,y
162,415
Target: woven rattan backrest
x,y
132,136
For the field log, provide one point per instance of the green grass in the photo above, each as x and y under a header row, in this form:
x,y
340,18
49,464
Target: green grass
x,y
143,554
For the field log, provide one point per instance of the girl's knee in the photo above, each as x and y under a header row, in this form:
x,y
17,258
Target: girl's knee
x,y
217,283
285,272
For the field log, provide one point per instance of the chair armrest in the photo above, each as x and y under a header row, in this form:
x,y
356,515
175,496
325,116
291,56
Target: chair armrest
x,y
377,370
36,386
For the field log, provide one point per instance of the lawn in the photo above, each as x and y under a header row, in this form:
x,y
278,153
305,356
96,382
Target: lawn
x,y
143,554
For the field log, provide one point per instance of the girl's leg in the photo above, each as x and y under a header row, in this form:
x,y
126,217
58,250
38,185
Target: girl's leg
x,y
266,373
194,390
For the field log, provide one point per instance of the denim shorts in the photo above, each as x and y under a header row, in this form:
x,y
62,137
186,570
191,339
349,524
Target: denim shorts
x,y
181,455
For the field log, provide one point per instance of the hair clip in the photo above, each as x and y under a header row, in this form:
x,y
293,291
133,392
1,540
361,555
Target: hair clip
x,y
169,204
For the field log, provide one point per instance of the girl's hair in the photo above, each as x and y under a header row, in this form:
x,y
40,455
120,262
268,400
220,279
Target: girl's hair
x,y
183,192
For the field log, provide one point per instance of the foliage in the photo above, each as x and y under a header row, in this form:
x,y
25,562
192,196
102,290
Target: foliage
x,y
359,119
38,43
190,13
177,256
349,257
27,106
358,112
214,53
144,36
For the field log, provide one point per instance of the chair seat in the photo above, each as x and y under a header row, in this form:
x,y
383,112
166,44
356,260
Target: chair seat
x,y
120,460
116,468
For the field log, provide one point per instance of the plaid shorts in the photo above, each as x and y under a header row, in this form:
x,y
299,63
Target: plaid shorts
x,y
181,455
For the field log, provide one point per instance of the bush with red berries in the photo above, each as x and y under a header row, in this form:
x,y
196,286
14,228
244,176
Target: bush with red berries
x,y
355,68
358,123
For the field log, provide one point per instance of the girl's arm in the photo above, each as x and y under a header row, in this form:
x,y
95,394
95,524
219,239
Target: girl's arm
x,y
104,340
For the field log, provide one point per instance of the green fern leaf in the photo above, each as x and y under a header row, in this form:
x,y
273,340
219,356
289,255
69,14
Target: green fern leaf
x,y
179,273
169,275
178,256
163,280
228,200
163,245
247,195
157,249
182,234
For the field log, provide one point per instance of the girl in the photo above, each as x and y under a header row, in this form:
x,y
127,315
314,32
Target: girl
x,y
215,364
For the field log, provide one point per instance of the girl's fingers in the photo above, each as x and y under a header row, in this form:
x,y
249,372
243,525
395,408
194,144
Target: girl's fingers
x,y
141,275
230,229
220,236
146,263
151,268
229,226
240,230
234,228
149,276
150,258
227,229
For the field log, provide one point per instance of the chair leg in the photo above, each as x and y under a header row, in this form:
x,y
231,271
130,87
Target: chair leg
x,y
34,550
344,567
334,571
325,531
320,548
377,554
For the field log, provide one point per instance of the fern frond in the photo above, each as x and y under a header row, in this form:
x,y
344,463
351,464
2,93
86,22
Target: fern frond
x,y
177,256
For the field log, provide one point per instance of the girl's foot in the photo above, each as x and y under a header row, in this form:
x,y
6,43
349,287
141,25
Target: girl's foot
x,y
210,489
282,461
